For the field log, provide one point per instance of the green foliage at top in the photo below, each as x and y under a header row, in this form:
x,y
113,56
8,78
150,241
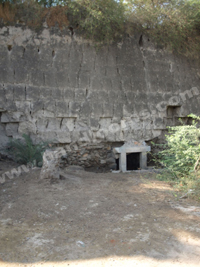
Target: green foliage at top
x,y
181,155
25,152
99,20
172,24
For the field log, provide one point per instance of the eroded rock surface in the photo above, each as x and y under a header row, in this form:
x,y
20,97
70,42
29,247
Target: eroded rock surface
x,y
62,89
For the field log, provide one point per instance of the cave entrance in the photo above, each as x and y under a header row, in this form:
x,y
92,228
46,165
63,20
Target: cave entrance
x,y
131,156
132,161
117,164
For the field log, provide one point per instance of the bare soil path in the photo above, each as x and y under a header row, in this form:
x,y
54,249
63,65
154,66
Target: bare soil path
x,y
96,219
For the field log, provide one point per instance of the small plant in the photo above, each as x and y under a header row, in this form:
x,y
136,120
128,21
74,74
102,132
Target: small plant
x,y
25,152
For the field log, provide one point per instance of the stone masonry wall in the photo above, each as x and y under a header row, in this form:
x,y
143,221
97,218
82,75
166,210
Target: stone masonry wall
x,y
58,87
91,156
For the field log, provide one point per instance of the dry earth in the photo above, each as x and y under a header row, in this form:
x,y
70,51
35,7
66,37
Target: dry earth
x,y
96,219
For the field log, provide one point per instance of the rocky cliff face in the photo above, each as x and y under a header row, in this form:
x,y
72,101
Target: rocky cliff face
x,y
58,87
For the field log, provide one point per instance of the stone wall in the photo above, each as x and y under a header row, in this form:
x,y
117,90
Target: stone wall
x,y
90,156
58,87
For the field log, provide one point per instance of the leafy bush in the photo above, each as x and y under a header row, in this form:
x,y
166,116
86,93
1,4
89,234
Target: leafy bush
x,y
181,156
25,152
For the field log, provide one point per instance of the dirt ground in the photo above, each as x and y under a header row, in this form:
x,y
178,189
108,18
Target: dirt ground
x,y
96,219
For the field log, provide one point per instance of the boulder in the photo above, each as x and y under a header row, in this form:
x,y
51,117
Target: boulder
x,y
51,163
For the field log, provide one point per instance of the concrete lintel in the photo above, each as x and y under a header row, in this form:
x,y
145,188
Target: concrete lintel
x,y
135,149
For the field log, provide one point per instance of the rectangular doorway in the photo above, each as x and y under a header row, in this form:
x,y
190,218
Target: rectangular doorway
x,y
132,161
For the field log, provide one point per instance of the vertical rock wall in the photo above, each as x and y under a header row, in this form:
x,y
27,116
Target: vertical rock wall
x,y
58,87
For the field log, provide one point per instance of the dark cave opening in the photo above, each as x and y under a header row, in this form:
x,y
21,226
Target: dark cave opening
x,y
133,161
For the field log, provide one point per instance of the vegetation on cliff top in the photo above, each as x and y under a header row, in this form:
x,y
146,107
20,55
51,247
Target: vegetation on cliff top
x,y
173,24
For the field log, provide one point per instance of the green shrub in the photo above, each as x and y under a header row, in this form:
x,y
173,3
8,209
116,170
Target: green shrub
x,y
180,157
25,152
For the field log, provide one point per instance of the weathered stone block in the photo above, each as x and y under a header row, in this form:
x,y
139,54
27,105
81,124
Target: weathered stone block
x,y
118,110
50,105
100,135
19,92
54,124
58,93
69,94
49,79
37,105
2,99
85,136
73,81
97,109
96,83
109,137
111,71
62,79
148,124
9,92
121,96
10,106
4,76
93,96
85,110
62,109
105,122
32,93
158,123
128,110
126,84
103,96
27,127
114,128
113,96
84,80
37,78
11,129
108,110
94,124
75,136
68,124
107,84
48,114
81,125
3,137
51,164
12,117
63,137
131,97
42,124
47,136
80,94
74,108
45,93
